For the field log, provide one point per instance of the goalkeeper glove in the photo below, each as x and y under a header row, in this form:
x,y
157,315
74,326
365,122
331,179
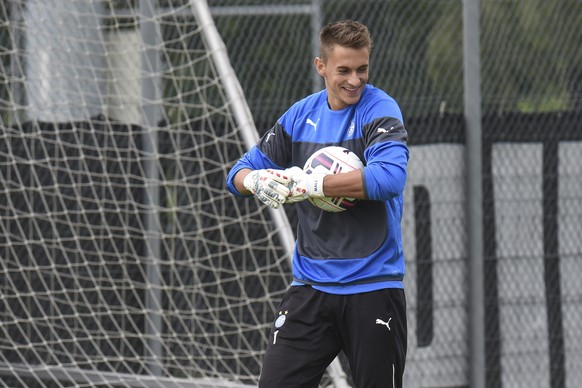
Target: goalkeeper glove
x,y
269,186
303,185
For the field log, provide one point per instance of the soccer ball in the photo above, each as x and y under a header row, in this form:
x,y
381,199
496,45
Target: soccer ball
x,y
333,159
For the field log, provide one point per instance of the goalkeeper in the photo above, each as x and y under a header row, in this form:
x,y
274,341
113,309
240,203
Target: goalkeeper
x,y
348,267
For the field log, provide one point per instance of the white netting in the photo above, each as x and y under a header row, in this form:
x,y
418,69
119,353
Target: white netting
x,y
124,259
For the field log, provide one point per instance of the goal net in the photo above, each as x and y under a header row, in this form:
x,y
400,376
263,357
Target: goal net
x,y
124,261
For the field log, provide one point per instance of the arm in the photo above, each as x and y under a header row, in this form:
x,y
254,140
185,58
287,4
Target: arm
x,y
383,178
239,179
348,184
302,185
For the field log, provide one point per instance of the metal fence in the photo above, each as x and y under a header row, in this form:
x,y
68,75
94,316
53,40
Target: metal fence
x,y
528,71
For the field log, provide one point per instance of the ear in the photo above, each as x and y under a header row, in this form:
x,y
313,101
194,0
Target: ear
x,y
319,65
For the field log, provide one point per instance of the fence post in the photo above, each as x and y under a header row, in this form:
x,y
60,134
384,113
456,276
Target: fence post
x,y
474,173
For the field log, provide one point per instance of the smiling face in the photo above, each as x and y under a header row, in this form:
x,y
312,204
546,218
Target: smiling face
x,y
345,71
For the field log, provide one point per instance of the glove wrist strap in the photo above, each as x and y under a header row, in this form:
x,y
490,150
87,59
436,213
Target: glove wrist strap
x,y
317,186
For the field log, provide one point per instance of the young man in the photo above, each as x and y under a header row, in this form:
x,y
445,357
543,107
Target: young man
x,y
347,293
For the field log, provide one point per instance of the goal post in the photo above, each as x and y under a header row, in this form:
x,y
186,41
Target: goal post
x,y
235,96
125,261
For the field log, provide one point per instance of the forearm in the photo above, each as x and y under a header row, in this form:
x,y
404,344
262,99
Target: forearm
x,y
238,181
350,185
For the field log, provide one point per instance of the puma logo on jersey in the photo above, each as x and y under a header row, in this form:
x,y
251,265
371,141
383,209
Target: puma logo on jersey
x,y
381,322
310,122
382,130
269,136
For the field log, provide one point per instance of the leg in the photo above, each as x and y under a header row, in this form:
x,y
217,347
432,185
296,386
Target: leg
x,y
302,342
375,338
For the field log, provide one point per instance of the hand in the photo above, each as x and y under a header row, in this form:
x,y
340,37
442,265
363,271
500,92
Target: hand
x,y
303,185
269,186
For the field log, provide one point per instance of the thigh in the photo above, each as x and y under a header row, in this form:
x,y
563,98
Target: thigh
x,y
375,338
302,342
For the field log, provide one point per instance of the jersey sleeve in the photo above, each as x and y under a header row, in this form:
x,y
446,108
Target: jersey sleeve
x,y
386,152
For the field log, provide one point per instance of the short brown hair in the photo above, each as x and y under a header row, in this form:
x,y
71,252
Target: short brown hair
x,y
345,33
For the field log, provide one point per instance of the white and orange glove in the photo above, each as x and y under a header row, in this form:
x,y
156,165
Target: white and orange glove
x,y
269,186
303,185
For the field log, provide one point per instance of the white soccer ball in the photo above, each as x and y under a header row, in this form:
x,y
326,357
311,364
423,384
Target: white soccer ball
x,y
335,160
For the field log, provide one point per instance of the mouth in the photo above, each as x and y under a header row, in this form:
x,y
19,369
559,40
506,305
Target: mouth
x,y
352,90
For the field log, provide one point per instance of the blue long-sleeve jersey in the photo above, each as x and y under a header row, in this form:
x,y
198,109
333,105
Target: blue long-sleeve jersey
x,y
360,249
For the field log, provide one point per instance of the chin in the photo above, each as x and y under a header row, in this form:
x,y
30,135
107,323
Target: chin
x,y
353,100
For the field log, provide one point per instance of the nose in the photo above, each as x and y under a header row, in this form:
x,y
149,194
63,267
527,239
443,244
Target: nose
x,y
353,79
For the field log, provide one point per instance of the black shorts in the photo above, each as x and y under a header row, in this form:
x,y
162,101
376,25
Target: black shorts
x,y
312,327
